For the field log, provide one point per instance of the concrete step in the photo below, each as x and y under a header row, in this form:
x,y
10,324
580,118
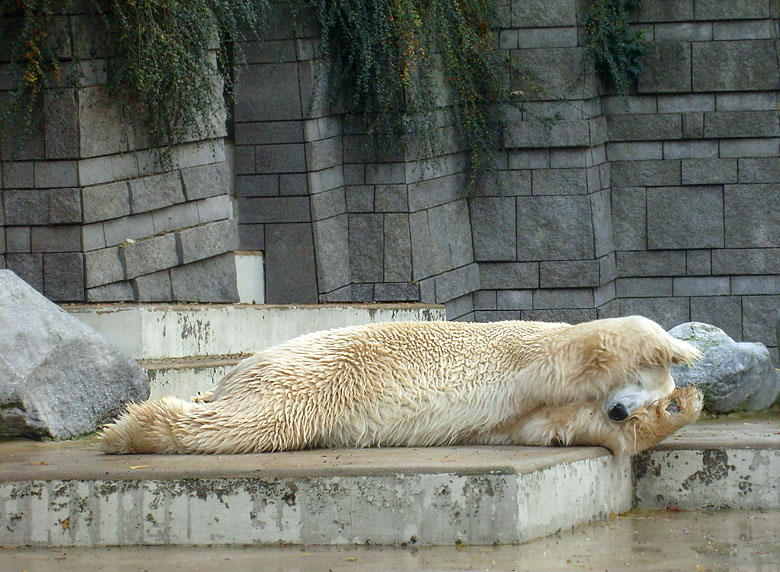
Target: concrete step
x,y
185,377
164,331
68,494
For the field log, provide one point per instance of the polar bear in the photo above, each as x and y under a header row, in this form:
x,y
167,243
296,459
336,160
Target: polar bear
x,y
416,384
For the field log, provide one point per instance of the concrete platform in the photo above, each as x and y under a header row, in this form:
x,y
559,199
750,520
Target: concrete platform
x,y
165,331
68,494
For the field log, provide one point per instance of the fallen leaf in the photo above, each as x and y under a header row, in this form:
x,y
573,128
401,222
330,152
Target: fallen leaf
x,y
351,559
139,467
65,524
673,508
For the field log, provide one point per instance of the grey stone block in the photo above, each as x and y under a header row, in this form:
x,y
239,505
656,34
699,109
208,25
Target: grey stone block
x,y
149,255
755,30
629,217
538,133
529,159
451,235
61,125
702,286
392,198
630,104
360,199
210,280
646,173
485,300
26,207
693,125
251,237
560,182
663,11
635,151
328,204
747,65
398,248
607,268
366,247
643,287
63,276
648,263
566,315
385,173
269,132
365,293
742,124
456,283
244,159
18,174
514,300
746,261
699,262
563,298
116,292
758,204
104,202
92,236
17,239
601,213
423,259
644,127
569,274
267,94
55,238
434,192
206,241
274,210
29,267
668,312
257,185
685,217
209,210
103,267
354,174
324,153
724,312
343,294
604,295
331,243
559,73
718,10
396,292
52,174
689,102
690,149
554,228
293,184
759,170
65,206
667,68
527,13
509,276
101,129
759,317
155,192
684,32
155,287
117,231
205,181
560,37
746,101
750,147
755,285
570,158
709,171
288,158
493,227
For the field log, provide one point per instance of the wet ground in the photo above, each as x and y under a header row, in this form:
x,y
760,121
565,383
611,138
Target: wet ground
x,y
640,540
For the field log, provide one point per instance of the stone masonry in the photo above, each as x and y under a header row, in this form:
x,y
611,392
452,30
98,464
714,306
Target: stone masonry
x,y
90,213
663,203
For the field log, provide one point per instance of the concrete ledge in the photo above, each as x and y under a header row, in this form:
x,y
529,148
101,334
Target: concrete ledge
x,y
722,463
66,494
185,377
161,331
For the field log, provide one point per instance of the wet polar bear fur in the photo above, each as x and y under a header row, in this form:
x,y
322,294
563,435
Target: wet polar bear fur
x,y
421,384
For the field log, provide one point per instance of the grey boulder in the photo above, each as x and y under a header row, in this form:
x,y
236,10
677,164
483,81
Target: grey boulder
x,y
734,376
58,377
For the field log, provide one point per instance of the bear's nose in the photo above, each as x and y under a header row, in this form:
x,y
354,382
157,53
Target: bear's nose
x,y
618,412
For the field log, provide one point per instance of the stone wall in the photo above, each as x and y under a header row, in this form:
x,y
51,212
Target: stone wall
x,y
662,203
90,213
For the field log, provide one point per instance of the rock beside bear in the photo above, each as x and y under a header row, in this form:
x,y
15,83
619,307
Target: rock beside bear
x,y
734,376
58,377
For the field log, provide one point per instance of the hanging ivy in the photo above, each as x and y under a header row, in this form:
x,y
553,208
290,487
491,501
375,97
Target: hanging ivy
x,y
616,52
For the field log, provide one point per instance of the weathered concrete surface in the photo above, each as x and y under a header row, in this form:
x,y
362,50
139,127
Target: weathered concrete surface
x,y
639,540
185,377
724,463
164,331
69,494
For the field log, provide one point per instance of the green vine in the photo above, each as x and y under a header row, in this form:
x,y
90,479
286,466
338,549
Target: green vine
x,y
387,59
616,53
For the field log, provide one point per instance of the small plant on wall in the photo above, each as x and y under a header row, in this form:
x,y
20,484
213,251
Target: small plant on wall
x,y
616,52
